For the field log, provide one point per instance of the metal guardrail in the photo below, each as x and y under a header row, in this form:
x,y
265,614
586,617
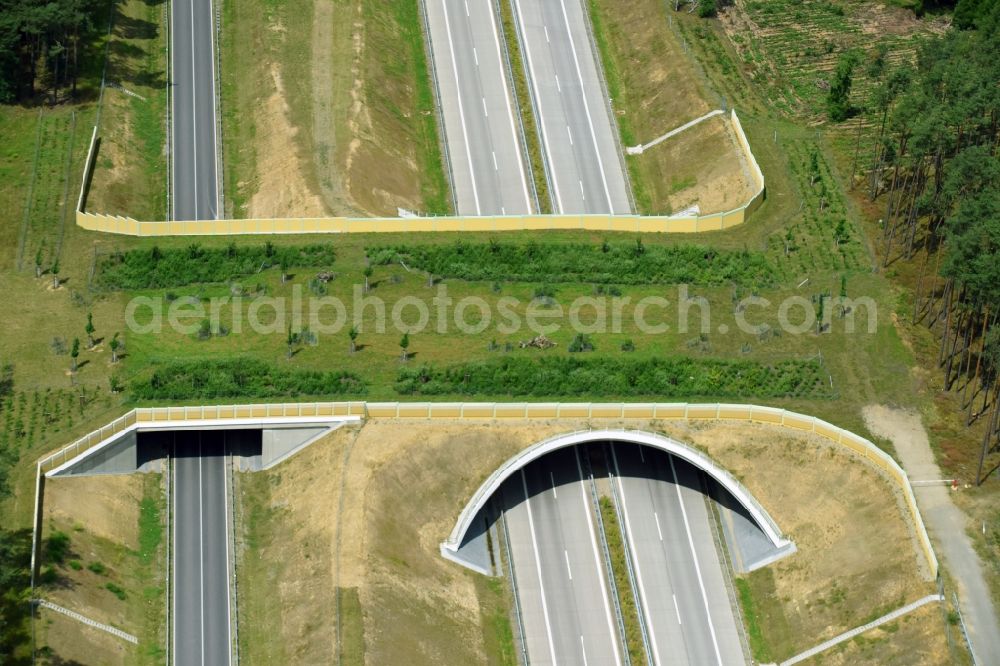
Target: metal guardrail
x,y
532,99
513,587
630,567
438,109
615,594
606,95
512,89
727,575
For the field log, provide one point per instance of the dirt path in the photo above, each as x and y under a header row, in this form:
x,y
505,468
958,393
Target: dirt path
x,y
945,522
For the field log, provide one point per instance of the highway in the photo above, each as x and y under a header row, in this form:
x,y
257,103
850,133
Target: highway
x,y
194,147
201,612
678,571
560,574
480,128
577,132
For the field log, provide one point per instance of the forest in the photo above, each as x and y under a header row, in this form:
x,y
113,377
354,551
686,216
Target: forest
x,y
935,177
43,46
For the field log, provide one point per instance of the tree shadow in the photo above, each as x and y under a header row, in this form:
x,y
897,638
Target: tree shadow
x,y
129,27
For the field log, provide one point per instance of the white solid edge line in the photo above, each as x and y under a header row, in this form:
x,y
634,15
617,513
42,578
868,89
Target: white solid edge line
x,y
583,650
697,568
201,548
510,113
194,117
541,116
229,601
173,552
586,107
597,558
538,569
215,111
635,558
173,114
461,109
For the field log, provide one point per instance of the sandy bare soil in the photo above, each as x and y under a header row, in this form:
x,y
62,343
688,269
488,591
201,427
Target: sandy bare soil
x,y
856,558
708,157
912,640
282,190
382,499
109,505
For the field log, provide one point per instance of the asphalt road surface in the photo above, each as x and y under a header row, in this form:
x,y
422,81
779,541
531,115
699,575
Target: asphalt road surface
x,y
577,132
678,571
566,610
194,176
479,123
201,558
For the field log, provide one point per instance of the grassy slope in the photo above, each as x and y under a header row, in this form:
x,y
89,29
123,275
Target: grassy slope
x,y
130,175
377,145
123,581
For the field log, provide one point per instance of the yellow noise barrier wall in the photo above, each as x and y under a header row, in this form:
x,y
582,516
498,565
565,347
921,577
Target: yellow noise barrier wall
x,y
524,411
117,224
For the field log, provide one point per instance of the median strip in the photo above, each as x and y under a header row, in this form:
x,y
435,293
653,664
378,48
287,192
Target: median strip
x,y
522,101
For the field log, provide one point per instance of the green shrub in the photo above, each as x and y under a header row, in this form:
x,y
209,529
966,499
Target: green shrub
x,y
116,590
75,565
668,378
581,343
98,568
57,547
240,378
156,268
605,263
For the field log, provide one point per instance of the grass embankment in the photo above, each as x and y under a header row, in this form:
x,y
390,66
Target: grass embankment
x,y
523,99
754,616
104,557
626,598
496,601
283,571
130,172
657,87
349,83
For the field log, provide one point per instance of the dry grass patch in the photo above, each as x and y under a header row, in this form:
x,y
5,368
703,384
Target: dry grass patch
x,y
347,123
109,568
702,166
656,86
857,558
130,174
365,510
912,640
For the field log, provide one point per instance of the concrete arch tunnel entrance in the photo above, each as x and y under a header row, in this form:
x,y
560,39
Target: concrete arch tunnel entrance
x,y
465,544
